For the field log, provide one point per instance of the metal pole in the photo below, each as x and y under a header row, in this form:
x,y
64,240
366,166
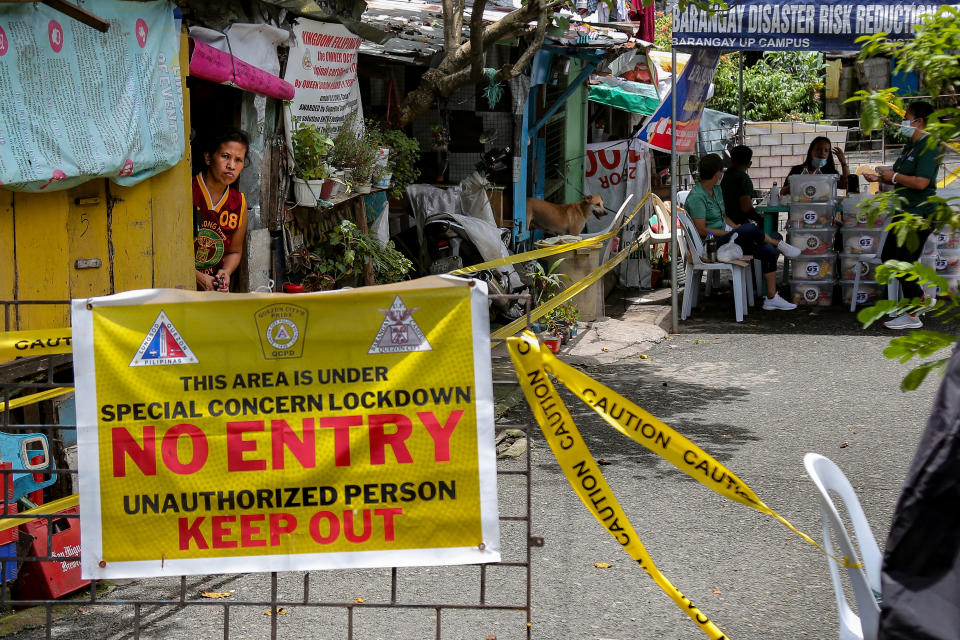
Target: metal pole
x,y
674,175
740,136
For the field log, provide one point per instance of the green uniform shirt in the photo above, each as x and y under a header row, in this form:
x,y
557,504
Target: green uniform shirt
x,y
700,204
736,183
917,159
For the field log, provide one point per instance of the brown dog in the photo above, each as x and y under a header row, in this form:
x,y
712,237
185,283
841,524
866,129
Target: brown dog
x,y
563,219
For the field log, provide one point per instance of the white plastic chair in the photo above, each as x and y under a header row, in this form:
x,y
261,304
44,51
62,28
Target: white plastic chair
x,y
827,477
695,264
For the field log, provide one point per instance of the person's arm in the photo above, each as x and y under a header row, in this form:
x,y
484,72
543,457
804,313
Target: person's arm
x,y
205,281
844,169
889,176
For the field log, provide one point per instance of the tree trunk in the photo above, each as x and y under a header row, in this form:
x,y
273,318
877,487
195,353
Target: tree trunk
x,y
459,65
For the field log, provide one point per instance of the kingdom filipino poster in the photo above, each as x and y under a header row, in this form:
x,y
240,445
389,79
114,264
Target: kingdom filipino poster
x,y
692,88
79,104
322,67
269,432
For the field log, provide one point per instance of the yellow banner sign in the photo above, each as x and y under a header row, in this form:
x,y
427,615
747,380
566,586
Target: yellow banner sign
x,y
269,432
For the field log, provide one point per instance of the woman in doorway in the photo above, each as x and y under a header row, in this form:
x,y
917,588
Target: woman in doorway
x,y
820,160
913,176
219,211
706,208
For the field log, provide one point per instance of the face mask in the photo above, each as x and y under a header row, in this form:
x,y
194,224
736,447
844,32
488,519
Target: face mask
x,y
818,163
906,129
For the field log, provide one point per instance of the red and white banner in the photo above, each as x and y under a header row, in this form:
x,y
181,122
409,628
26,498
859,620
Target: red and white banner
x,y
322,68
614,170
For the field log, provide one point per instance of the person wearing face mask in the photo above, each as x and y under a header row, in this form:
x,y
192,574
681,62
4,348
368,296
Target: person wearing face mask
x,y
219,211
913,176
706,208
820,160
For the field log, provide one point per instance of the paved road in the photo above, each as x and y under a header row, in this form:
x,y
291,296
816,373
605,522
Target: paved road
x,y
757,395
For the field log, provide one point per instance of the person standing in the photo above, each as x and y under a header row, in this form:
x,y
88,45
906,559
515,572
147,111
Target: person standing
x,y
913,176
705,206
219,211
738,188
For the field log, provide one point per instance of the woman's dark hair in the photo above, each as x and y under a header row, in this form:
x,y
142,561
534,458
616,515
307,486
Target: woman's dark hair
x,y
921,109
741,155
226,135
830,167
710,164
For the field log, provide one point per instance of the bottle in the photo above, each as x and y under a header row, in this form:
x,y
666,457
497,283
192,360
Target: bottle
x,y
774,198
711,247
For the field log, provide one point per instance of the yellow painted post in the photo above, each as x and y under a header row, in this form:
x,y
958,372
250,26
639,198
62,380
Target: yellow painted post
x,y
132,228
173,207
8,268
87,236
40,228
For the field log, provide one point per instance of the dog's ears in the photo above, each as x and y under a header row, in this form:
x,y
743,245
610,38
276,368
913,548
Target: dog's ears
x,y
587,198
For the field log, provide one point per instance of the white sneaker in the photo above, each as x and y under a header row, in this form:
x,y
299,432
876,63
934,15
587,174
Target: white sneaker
x,y
904,322
776,302
788,249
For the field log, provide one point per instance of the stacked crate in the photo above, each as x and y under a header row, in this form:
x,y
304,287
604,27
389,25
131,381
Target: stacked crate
x,y
811,226
860,249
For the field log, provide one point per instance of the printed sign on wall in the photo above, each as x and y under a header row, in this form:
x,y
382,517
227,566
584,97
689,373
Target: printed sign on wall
x,y
78,104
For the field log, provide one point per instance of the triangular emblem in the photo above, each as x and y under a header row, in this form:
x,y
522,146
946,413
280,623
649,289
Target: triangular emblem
x,y
163,345
399,332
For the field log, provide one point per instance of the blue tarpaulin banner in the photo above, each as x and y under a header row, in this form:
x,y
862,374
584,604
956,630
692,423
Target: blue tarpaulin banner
x,y
771,25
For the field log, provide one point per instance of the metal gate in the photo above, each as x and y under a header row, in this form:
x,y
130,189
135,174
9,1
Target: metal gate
x,y
39,559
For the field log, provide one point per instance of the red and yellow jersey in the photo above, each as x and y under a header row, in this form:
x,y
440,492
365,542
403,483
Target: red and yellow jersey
x,y
215,224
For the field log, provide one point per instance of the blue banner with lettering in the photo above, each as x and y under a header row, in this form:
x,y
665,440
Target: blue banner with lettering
x,y
771,25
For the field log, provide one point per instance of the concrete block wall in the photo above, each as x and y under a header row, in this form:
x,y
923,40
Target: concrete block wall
x,y
778,146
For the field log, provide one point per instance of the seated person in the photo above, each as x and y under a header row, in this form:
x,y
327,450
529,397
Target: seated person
x,y
819,160
706,209
738,188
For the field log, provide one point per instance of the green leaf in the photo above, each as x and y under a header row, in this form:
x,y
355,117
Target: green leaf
x,y
922,342
869,315
914,379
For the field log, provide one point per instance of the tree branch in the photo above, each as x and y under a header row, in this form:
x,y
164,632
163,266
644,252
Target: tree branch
x,y
476,39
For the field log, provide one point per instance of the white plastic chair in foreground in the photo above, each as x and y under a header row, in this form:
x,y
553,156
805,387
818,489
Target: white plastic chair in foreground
x,y
827,477
742,285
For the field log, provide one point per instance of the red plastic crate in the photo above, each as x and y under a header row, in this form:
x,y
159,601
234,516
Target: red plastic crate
x,y
42,580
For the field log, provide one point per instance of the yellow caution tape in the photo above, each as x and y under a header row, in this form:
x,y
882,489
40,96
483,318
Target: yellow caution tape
x,y
35,397
569,292
549,251
534,365
43,510
584,474
17,344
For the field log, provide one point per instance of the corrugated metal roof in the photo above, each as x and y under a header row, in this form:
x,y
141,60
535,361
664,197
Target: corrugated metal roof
x,y
417,29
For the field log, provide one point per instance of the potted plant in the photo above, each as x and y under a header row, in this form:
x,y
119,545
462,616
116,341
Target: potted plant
x,y
402,162
340,256
311,172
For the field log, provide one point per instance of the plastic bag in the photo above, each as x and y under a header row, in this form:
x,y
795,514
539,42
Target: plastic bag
x,y
730,251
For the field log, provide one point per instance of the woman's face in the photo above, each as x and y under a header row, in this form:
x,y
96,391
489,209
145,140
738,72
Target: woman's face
x,y
821,150
225,165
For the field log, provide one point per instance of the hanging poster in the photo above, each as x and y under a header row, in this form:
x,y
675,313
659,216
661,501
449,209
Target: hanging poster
x,y
771,25
78,104
322,67
692,88
613,170
269,432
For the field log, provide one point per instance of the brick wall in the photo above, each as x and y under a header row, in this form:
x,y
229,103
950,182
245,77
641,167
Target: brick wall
x,y
778,146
